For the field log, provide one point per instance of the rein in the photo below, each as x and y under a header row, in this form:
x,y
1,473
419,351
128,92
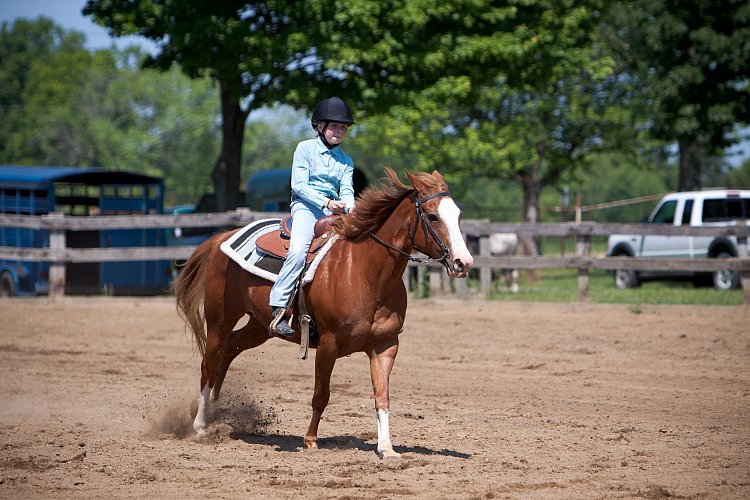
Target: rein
x,y
428,232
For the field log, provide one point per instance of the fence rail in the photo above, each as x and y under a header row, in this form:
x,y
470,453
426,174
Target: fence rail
x,y
58,254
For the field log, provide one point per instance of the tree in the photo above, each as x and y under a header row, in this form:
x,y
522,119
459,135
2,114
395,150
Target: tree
x,y
505,91
492,91
65,105
177,132
740,176
379,54
276,131
689,58
258,52
23,44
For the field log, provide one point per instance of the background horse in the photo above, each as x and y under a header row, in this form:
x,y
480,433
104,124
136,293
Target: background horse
x,y
357,298
506,244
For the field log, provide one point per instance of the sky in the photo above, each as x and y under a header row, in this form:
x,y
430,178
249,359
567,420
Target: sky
x,y
67,13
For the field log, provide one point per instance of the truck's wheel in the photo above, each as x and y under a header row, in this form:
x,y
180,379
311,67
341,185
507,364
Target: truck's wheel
x,y
6,285
726,280
626,279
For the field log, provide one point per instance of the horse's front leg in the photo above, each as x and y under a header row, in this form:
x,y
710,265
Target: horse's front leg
x,y
325,358
514,281
382,358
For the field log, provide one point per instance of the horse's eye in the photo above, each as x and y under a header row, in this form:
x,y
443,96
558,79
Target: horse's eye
x,y
433,217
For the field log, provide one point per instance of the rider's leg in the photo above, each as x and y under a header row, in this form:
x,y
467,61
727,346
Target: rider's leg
x,y
303,224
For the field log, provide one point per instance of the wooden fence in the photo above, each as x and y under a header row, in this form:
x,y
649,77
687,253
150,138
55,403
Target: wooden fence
x,y
58,254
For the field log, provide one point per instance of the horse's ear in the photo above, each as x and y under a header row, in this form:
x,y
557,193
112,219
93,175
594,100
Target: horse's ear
x,y
418,185
437,175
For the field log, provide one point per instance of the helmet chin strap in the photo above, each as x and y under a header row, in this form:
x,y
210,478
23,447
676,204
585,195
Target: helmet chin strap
x,y
322,135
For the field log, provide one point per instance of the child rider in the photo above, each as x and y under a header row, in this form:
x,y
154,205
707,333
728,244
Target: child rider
x,y
321,185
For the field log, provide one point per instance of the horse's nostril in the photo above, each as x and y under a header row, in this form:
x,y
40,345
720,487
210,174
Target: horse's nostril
x,y
459,266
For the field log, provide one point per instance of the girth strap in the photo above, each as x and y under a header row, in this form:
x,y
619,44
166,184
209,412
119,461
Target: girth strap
x,y
304,323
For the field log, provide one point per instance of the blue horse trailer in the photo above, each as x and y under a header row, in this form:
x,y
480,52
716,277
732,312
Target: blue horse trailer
x,y
78,191
270,190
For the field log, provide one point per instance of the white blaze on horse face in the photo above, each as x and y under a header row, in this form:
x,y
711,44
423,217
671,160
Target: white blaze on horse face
x,y
449,212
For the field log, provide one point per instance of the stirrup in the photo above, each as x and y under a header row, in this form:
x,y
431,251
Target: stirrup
x,y
279,325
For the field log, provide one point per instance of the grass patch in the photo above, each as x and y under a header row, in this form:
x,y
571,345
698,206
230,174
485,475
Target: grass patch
x,y
561,285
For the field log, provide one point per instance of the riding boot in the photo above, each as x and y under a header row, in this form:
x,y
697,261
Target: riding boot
x,y
279,324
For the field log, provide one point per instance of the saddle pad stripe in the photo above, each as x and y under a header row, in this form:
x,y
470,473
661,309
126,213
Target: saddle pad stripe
x,y
241,246
248,233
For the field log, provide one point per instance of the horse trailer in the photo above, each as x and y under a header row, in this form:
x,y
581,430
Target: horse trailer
x,y
270,190
75,191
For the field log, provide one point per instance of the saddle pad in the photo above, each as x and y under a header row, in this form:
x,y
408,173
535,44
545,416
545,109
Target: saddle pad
x,y
243,249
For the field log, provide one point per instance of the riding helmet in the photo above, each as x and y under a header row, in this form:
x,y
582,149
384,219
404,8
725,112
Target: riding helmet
x,y
332,109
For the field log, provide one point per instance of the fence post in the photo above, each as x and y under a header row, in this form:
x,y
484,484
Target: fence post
x,y
742,253
56,267
485,272
583,249
420,280
436,281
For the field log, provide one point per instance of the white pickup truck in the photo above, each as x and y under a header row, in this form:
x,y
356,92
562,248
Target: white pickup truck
x,y
716,207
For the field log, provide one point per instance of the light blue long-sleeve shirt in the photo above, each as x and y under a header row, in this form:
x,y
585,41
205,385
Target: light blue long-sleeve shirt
x,y
320,174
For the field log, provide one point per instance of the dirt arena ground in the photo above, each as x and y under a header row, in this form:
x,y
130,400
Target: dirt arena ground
x,y
489,400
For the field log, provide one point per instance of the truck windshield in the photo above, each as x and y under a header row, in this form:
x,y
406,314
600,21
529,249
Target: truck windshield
x,y
665,214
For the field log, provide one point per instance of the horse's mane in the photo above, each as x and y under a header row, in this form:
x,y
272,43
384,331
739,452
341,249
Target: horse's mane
x,y
375,205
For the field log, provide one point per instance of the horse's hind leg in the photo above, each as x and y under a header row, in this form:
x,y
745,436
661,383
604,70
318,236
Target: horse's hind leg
x,y
219,324
215,340
249,336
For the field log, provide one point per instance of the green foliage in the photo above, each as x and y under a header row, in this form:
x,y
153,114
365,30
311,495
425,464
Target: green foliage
x,y
494,104
561,285
178,131
99,109
513,102
615,176
23,46
739,177
688,60
259,53
274,133
393,48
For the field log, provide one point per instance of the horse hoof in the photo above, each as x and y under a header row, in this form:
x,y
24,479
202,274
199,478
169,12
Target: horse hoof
x,y
311,445
388,454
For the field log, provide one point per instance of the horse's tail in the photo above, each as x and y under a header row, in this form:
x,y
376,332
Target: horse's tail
x,y
189,290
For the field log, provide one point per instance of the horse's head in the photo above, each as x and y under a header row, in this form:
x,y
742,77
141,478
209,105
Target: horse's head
x,y
438,234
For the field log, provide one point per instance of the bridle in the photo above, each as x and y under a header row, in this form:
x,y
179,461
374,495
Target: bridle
x,y
428,231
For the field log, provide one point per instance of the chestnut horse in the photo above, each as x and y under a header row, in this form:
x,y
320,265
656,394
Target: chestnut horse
x,y
357,298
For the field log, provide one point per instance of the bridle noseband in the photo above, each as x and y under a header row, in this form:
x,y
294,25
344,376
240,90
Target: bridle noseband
x,y
428,231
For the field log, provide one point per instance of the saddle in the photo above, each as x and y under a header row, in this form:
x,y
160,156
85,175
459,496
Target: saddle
x,y
276,243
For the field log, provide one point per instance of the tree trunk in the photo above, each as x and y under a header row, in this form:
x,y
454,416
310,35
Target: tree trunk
x,y
226,172
691,165
532,187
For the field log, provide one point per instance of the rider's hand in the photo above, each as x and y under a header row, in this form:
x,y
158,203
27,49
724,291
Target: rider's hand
x,y
336,206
